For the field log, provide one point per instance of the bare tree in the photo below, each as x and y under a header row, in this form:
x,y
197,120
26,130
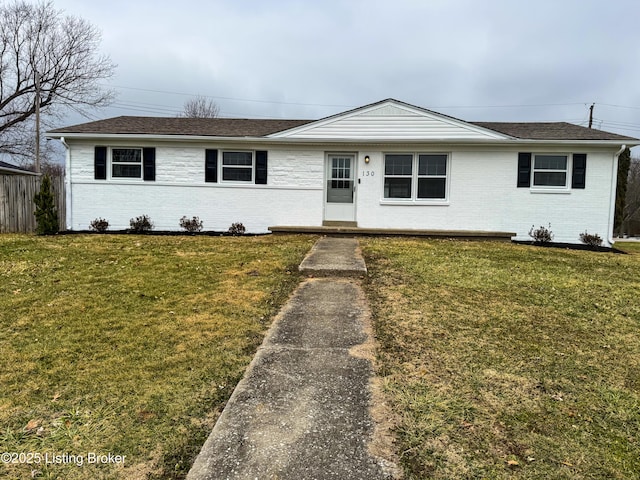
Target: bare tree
x,y
51,56
200,107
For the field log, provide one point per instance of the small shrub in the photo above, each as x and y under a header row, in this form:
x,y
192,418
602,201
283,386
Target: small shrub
x,y
541,234
141,224
237,229
191,225
99,225
46,214
592,239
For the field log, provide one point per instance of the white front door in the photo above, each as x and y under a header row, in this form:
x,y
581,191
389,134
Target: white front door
x,y
340,189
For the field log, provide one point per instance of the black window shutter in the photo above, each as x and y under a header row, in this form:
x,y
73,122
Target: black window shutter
x,y
578,178
100,163
524,170
261,167
149,164
211,166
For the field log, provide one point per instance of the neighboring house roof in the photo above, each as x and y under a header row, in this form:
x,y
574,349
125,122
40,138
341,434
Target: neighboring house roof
x,y
8,168
257,128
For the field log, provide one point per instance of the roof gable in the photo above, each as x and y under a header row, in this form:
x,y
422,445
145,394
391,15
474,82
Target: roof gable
x,y
390,120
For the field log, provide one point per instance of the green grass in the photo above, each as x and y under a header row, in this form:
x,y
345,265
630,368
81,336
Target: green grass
x,y
129,345
508,361
628,247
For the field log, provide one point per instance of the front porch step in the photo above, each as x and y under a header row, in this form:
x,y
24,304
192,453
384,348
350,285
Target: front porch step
x,y
462,234
335,223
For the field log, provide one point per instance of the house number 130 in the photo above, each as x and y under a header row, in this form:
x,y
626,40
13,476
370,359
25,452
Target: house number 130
x,y
368,173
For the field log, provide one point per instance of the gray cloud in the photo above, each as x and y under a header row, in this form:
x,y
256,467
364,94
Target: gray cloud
x,y
262,58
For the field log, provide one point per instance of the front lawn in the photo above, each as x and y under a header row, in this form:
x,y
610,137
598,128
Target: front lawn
x,y
508,361
628,247
128,345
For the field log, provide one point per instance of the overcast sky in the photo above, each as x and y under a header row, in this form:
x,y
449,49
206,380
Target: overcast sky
x,y
494,60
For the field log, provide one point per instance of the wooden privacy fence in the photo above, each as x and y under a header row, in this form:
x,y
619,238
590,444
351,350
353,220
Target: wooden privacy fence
x,y
17,205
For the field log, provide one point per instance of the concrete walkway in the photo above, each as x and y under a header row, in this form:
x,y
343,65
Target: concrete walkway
x,y
334,257
302,411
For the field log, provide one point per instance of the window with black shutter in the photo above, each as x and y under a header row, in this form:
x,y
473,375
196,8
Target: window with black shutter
x,y
552,171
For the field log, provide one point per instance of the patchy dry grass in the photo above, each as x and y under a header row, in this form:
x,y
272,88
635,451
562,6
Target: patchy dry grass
x,y
129,345
628,247
509,361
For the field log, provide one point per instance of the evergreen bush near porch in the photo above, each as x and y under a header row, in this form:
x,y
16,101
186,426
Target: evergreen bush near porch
x,y
46,214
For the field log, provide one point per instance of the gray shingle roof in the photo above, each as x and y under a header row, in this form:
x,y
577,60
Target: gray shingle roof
x,y
218,127
243,127
550,131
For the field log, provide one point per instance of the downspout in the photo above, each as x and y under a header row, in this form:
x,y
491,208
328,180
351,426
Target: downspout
x,y
67,183
614,183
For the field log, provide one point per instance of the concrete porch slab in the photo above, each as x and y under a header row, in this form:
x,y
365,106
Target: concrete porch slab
x,y
342,230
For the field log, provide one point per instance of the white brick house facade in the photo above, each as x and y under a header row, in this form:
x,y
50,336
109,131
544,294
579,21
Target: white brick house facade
x,y
388,165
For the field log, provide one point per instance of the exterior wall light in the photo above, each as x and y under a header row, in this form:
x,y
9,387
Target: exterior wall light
x,y
367,159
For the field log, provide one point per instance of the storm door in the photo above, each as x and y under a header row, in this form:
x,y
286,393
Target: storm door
x,y
340,188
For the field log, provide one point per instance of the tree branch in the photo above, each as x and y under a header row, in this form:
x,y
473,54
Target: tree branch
x,y
37,40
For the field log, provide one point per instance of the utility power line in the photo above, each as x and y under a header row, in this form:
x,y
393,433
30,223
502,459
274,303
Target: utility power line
x,y
231,98
164,109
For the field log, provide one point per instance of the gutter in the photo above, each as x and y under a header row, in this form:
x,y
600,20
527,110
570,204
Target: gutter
x,y
369,141
67,183
612,201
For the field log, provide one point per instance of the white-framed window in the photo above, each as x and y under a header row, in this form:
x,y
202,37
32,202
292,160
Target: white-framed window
x,y
550,170
432,176
398,175
421,176
237,166
126,162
